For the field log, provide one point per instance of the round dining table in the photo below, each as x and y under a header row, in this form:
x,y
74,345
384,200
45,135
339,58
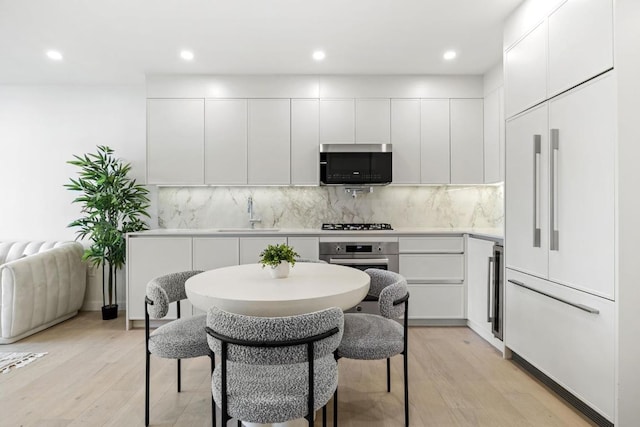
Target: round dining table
x,y
249,289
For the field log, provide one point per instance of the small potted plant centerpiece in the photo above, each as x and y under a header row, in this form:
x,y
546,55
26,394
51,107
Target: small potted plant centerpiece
x,y
280,258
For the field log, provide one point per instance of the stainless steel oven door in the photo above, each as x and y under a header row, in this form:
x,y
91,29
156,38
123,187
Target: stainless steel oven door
x,y
362,262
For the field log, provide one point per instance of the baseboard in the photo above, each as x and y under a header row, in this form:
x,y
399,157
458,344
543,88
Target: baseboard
x,y
569,397
437,322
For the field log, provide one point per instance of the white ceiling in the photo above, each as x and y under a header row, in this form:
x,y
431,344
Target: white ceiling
x,y
119,41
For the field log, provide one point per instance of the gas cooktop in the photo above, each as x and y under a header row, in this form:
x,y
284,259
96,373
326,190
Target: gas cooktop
x,y
357,227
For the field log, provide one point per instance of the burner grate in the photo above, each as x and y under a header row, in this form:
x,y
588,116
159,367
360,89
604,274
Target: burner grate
x,y
357,227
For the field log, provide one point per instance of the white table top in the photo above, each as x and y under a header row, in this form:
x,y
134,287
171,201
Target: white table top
x,y
249,289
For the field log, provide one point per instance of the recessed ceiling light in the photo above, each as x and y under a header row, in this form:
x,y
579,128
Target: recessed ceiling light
x,y
449,55
319,55
54,55
187,55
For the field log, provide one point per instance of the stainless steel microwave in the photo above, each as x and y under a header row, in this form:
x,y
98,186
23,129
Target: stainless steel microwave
x,y
355,164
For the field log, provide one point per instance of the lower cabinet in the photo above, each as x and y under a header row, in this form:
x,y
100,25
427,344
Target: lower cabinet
x,y
250,247
567,334
150,257
434,269
306,247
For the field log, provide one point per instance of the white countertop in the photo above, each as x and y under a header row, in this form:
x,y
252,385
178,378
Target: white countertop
x,y
484,233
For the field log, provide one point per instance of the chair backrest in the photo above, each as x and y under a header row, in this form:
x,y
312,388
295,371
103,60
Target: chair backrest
x,y
164,290
275,330
388,287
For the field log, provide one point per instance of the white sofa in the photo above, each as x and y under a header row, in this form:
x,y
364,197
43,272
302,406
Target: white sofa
x,y
42,283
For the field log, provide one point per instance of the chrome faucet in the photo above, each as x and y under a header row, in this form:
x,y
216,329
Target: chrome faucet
x,y
252,220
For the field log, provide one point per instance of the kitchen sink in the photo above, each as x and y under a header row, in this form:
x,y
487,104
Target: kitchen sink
x,y
246,230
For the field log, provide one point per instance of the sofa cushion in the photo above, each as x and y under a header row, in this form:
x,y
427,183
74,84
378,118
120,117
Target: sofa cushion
x,y
11,251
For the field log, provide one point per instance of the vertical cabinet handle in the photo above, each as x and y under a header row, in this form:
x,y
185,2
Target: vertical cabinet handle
x,y
537,153
489,291
554,236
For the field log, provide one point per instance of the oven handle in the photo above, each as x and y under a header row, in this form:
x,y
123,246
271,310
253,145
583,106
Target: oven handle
x,y
359,261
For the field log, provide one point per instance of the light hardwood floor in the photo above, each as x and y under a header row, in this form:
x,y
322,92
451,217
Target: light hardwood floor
x,y
94,376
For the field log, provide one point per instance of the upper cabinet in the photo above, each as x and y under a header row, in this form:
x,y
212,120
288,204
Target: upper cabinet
x,y
467,148
373,121
494,134
337,120
525,71
305,141
405,137
226,141
269,141
175,141
435,127
580,43
573,44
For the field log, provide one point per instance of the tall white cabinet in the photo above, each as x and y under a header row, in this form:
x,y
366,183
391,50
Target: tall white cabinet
x,y
560,210
225,141
269,144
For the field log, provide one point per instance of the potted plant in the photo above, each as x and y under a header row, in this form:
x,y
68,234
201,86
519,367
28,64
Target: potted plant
x,y
112,205
279,258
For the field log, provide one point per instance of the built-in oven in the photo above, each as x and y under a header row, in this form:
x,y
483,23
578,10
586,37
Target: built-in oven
x,y
362,254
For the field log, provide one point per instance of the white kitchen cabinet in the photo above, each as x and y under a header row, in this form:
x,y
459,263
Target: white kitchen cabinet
x,y
148,258
175,141
527,192
434,269
573,211
525,71
337,120
215,252
305,153
479,257
494,136
269,147
582,213
373,121
435,150
405,137
306,247
250,247
467,146
568,335
580,43
226,141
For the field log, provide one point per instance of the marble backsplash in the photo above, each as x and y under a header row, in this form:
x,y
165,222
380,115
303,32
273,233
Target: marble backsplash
x,y
309,207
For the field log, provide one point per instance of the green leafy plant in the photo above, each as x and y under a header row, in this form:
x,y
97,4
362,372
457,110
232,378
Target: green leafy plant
x,y
273,255
112,205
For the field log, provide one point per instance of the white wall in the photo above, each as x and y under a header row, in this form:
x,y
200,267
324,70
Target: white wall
x,y
627,62
41,127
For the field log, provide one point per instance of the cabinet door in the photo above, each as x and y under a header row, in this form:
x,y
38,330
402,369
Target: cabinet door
x,y
337,120
479,256
226,141
525,71
580,43
175,141
373,121
467,146
269,141
436,301
526,194
493,134
435,160
574,347
305,146
149,258
405,137
250,247
306,247
583,168
215,252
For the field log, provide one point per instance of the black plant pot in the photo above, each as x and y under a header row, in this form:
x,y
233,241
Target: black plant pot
x,y
109,312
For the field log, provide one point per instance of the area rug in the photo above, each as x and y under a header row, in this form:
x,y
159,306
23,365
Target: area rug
x,y
10,360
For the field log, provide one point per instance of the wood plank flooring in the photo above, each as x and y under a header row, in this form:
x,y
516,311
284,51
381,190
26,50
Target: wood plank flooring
x,y
94,376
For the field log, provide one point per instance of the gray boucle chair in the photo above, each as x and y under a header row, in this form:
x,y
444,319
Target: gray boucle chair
x,y
376,337
182,338
274,369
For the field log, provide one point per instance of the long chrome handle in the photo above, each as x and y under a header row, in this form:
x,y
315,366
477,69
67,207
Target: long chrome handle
x,y
537,153
572,304
554,234
489,292
359,261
